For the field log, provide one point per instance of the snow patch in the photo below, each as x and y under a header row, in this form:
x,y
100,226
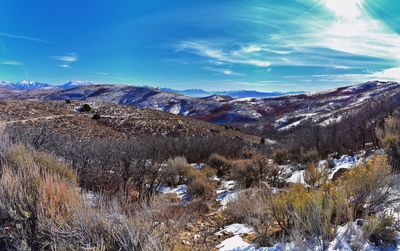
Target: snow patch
x,y
235,243
180,191
236,229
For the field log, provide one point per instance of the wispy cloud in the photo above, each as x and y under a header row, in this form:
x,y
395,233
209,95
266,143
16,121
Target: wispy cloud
x,y
353,30
391,74
8,35
227,72
12,62
220,55
66,60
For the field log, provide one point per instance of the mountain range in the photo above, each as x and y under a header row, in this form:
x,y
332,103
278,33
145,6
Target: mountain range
x,y
31,85
200,93
251,115
197,93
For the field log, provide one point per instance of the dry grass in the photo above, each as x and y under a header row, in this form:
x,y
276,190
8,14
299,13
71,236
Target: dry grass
x,y
41,208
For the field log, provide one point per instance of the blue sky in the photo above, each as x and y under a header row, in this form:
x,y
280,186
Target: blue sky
x,y
266,45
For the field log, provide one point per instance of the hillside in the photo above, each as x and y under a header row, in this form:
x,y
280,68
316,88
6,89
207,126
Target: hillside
x,y
114,121
263,116
252,115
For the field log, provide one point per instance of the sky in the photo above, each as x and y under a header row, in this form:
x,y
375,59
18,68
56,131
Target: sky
x,y
264,45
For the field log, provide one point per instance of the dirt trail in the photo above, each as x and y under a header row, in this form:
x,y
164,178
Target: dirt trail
x,y
23,121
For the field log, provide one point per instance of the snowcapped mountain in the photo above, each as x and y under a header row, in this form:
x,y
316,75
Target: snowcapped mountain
x,y
4,83
196,93
76,83
24,85
200,93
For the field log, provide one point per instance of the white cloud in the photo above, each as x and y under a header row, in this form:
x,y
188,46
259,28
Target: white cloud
x,y
354,31
216,52
69,58
227,72
12,62
263,48
66,60
391,74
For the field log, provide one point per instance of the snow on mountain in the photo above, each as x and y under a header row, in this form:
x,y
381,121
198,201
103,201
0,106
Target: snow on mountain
x,y
76,83
24,85
4,83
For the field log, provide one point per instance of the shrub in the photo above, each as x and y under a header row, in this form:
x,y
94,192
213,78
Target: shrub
x,y
391,144
85,108
281,156
208,171
315,176
303,155
370,187
247,153
200,186
380,231
253,172
241,172
41,209
308,214
176,170
219,163
96,116
251,207
389,136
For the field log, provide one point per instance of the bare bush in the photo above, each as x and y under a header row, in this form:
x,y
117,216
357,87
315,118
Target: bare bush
x,y
219,163
281,156
315,176
251,207
201,187
253,172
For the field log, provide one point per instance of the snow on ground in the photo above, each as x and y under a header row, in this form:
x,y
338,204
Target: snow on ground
x,y
292,125
225,193
297,177
180,191
236,229
226,197
331,121
226,186
198,166
175,109
346,162
235,243
281,122
349,236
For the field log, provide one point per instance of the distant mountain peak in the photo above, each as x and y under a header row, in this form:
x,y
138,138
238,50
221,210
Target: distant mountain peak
x,y
24,85
76,83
